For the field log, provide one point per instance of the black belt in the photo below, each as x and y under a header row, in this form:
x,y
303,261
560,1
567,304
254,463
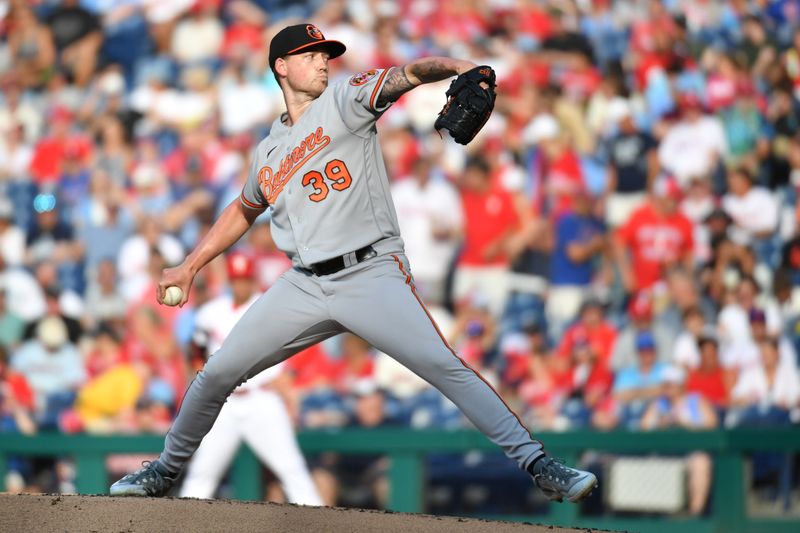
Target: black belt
x,y
336,264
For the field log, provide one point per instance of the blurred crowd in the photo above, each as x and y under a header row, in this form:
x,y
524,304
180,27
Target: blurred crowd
x,y
619,247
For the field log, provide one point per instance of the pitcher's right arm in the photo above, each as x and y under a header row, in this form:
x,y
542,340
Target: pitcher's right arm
x,y
234,222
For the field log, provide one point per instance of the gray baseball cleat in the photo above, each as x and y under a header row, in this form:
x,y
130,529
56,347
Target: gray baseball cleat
x,y
147,481
559,481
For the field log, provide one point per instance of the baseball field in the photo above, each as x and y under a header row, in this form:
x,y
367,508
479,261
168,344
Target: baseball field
x,y
50,512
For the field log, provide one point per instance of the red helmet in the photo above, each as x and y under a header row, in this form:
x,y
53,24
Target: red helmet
x,y
240,266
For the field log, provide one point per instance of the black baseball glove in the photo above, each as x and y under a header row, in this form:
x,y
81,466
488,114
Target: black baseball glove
x,y
469,105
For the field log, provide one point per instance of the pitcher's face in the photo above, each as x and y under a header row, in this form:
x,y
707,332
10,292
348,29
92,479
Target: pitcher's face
x,y
306,72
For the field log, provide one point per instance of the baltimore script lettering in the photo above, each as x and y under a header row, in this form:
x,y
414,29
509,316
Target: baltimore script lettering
x,y
272,183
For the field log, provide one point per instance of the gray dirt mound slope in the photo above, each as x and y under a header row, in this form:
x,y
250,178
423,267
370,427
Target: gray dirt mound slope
x,y
45,513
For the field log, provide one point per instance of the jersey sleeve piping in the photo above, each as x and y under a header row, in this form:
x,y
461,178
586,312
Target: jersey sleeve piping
x,y
251,205
377,89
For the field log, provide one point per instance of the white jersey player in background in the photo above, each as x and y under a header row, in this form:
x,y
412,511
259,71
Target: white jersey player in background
x,y
254,414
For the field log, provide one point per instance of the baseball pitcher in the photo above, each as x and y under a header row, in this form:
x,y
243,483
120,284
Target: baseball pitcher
x,y
321,172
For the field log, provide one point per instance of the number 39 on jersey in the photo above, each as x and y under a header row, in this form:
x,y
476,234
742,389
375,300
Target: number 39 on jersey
x,y
335,173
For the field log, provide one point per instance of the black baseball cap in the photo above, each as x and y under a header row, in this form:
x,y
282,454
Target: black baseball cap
x,y
297,38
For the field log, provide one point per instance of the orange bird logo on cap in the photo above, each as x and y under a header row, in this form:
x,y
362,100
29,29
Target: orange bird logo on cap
x,y
314,32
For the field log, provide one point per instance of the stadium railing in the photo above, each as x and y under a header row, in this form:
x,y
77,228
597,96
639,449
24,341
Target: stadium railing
x,y
407,449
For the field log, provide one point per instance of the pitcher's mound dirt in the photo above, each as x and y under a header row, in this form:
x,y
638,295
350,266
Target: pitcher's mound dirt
x,y
45,513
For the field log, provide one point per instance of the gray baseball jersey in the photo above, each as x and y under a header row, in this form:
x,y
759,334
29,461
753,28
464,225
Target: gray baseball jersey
x,y
325,178
326,181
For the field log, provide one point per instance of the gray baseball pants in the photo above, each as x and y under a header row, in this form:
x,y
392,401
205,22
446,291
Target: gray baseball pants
x,y
375,300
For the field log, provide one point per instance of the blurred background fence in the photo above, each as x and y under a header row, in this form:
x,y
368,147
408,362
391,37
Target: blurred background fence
x,y
728,510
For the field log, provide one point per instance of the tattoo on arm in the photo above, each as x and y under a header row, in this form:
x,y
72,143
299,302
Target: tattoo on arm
x,y
397,84
426,70
433,69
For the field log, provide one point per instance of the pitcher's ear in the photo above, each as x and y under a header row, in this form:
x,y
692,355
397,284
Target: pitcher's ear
x,y
280,66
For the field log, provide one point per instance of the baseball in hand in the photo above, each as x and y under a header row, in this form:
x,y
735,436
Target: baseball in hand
x,y
173,295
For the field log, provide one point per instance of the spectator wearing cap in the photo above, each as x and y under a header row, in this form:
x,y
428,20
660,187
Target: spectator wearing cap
x,y
431,221
580,245
754,212
635,386
524,352
12,238
51,238
73,180
556,168
694,146
242,289
640,312
490,224
59,302
632,164
51,151
746,351
709,378
53,367
474,331
678,408
594,329
656,237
